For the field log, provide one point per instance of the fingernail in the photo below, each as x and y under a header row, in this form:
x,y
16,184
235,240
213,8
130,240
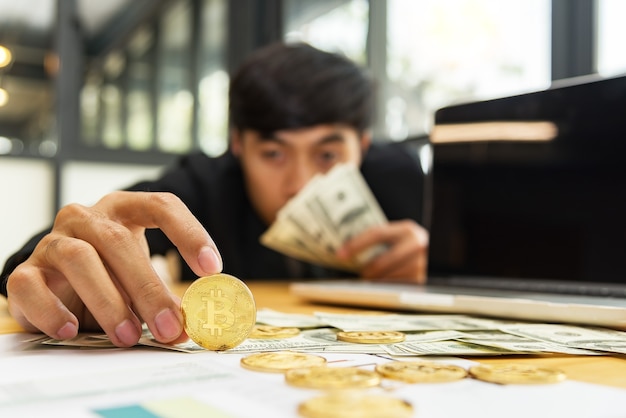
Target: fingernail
x,y
127,333
168,324
67,331
209,260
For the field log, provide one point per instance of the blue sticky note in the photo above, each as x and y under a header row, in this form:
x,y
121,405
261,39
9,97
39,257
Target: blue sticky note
x,y
131,411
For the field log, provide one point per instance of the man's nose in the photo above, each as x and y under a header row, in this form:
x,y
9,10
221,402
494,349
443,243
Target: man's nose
x,y
298,176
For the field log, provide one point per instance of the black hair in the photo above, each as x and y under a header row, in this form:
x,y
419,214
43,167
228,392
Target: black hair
x,y
290,86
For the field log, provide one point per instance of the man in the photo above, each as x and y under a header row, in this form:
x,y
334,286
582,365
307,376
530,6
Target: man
x,y
295,111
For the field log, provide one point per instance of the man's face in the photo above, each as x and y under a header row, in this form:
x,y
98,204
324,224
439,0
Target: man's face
x,y
277,167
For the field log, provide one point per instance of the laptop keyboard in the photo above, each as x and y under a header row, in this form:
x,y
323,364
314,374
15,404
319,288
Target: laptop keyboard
x,y
537,286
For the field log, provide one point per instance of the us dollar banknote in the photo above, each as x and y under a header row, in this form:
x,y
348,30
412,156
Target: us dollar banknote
x,y
328,211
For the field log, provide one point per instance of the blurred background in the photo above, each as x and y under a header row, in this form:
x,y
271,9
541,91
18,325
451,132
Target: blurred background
x,y
95,95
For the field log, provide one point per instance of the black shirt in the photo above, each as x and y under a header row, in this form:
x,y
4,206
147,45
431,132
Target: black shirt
x,y
213,189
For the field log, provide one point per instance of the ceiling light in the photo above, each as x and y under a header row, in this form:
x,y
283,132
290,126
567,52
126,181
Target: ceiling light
x,y
5,56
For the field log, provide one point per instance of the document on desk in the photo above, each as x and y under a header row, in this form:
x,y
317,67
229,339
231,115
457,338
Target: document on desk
x,y
73,383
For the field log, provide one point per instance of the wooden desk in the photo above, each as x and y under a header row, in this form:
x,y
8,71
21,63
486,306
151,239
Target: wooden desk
x,y
7,324
604,370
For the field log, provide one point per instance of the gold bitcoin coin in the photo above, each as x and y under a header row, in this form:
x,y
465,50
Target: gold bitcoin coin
x,y
345,404
219,311
371,337
332,378
421,371
280,361
505,374
270,332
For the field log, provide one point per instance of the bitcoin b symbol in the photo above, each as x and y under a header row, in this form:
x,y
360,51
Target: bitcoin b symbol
x,y
219,313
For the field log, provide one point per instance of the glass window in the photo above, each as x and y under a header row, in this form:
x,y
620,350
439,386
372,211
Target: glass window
x,y
175,101
446,51
611,59
111,96
213,79
139,97
331,25
90,105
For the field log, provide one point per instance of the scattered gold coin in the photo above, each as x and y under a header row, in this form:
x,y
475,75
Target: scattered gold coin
x,y
371,337
280,361
332,378
516,374
344,404
270,332
219,311
421,371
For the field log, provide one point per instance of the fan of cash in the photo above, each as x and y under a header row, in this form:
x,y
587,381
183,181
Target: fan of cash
x,y
328,211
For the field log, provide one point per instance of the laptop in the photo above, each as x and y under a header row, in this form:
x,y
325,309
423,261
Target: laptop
x,y
527,211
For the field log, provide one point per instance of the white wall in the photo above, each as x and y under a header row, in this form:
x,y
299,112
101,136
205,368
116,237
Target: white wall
x,y
26,187
26,190
85,183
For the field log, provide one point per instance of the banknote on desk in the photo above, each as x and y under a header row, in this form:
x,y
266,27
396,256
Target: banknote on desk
x,y
328,211
426,335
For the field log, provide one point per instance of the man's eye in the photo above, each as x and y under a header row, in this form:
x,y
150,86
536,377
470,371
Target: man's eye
x,y
271,154
328,157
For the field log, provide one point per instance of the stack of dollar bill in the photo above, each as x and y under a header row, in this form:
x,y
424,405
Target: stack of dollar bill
x,y
430,335
436,335
326,213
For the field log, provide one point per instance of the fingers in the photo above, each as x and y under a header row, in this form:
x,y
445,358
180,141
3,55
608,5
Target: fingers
x,y
80,265
113,227
33,305
183,336
168,213
407,256
94,266
401,263
115,246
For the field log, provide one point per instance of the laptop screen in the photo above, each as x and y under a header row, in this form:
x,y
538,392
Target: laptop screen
x,y
533,185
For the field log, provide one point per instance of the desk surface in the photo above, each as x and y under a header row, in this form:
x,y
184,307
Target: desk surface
x,y
605,370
